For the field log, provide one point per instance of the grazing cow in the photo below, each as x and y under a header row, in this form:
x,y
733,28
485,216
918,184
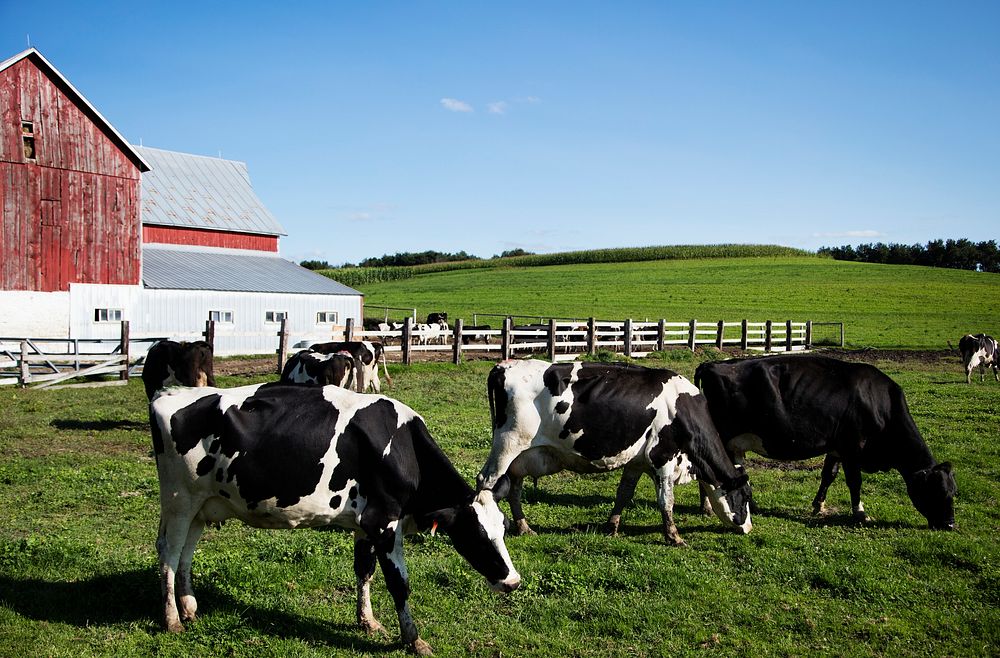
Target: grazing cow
x,y
979,350
437,318
794,407
431,333
279,456
366,354
308,367
591,417
169,363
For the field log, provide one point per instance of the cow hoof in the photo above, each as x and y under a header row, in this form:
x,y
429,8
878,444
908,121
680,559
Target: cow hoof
x,y
174,627
861,517
421,648
522,528
610,529
819,508
371,626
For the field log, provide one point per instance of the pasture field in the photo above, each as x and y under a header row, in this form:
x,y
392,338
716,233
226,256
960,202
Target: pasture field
x,y
79,511
883,306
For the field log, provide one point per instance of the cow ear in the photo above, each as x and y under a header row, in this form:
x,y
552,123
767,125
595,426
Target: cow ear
x,y
737,482
501,488
441,519
944,467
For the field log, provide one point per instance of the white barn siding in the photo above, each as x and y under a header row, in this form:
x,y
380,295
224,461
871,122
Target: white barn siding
x,y
181,314
25,313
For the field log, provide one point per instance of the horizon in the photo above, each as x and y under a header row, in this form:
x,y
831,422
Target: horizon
x,y
401,128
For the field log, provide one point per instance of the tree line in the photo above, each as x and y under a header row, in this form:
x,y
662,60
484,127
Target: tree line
x,y
959,254
409,259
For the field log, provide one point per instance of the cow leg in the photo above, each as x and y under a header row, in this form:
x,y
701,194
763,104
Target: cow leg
x,y
534,463
852,473
170,544
396,580
626,491
831,466
364,569
995,374
665,500
185,595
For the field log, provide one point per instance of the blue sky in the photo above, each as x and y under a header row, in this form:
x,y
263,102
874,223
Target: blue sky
x,y
378,127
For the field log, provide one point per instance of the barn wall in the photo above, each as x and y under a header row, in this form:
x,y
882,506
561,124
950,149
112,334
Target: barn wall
x,y
71,214
206,238
26,314
181,314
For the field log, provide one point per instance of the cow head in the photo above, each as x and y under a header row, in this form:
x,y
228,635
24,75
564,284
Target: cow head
x,y
476,529
932,491
731,501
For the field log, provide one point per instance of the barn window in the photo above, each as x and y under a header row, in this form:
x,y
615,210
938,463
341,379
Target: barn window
x,y
107,315
326,317
28,139
275,316
221,316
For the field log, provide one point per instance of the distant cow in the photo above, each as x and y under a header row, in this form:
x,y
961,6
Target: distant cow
x,y
437,318
979,350
366,354
308,367
796,407
475,332
279,456
169,363
591,417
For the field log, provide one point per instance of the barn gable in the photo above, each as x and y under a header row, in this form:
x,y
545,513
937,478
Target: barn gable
x,y
69,182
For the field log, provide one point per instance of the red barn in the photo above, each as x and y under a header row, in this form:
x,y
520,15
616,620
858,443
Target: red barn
x,y
63,165
94,231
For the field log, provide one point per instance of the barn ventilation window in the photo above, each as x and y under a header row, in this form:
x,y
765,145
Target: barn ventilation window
x,y
28,139
107,315
326,317
275,316
221,316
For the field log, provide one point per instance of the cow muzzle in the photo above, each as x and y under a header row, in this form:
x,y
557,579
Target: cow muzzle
x,y
507,585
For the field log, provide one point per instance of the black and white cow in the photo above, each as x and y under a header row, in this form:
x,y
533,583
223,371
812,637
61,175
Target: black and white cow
x,y
593,417
169,363
366,355
308,367
979,350
437,318
793,407
280,456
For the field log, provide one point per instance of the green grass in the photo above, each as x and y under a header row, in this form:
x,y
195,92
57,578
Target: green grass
x,y
885,306
78,494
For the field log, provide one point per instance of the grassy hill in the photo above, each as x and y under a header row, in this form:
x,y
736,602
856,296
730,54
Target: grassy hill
x,y
884,306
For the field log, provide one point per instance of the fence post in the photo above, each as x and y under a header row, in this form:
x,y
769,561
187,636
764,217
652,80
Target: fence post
x,y
25,367
552,339
841,334
456,356
406,340
661,328
767,336
505,339
591,336
124,351
628,337
692,334
282,344
788,335
349,330
809,334
744,337
718,334
209,333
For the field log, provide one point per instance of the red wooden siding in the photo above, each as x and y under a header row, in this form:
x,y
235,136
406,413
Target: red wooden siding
x,y
72,214
206,238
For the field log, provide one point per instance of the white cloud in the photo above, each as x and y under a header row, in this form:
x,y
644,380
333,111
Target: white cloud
x,y
498,107
530,100
867,233
455,105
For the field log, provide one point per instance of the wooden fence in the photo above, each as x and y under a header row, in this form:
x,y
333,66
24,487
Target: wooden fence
x,y
51,362
562,340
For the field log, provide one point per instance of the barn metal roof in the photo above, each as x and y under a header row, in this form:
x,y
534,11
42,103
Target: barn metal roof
x,y
186,268
195,191
85,106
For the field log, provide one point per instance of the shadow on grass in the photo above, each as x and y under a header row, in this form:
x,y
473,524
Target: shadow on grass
x,y
100,425
134,596
829,519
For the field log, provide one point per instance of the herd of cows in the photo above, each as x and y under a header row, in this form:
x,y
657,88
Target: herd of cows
x,y
314,449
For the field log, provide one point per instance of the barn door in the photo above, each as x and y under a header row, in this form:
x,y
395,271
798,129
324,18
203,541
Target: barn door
x,y
53,266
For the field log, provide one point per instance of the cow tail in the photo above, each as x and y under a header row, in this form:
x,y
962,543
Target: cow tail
x,y
697,375
385,369
493,405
